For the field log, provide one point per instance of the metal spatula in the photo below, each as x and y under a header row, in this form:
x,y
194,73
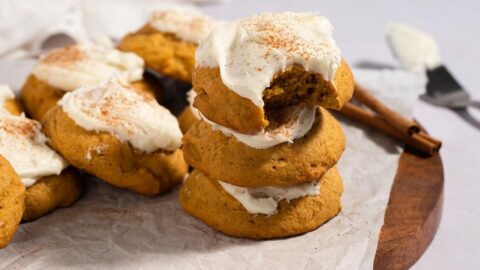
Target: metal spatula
x,y
444,90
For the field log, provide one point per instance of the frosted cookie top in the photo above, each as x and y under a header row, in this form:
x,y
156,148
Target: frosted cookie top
x,y
87,64
6,94
118,109
264,200
186,24
24,145
249,52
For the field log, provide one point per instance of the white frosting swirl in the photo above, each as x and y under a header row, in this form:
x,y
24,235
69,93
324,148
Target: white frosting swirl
x,y
251,51
87,64
118,109
265,139
24,145
264,200
187,24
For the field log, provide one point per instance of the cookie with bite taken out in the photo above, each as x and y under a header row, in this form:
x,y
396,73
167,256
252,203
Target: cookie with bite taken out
x,y
265,150
281,60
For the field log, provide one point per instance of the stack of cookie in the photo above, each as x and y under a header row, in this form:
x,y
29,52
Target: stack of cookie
x,y
264,155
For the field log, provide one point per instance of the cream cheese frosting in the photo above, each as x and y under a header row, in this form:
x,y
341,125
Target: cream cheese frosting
x,y
24,145
87,64
265,139
414,49
118,109
264,200
187,24
251,51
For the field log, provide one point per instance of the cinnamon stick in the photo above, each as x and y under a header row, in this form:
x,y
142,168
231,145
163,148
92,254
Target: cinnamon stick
x,y
420,141
398,121
429,138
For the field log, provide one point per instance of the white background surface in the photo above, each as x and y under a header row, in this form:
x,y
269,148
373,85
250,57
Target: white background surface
x,y
456,26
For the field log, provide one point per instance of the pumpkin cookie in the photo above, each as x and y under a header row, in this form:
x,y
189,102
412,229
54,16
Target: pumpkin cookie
x,y
168,41
207,200
282,59
49,185
52,192
224,157
12,202
120,136
86,64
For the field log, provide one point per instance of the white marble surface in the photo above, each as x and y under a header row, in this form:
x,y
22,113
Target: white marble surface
x,y
455,24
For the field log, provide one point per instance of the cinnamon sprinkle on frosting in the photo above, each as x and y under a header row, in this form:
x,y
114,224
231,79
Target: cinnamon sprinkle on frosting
x,y
251,51
87,64
24,145
116,108
187,24
64,57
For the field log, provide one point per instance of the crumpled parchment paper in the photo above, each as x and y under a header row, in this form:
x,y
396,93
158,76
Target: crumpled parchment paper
x,y
29,27
113,228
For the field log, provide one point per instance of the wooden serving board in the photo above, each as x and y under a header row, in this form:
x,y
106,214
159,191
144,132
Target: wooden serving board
x,y
414,208
413,213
